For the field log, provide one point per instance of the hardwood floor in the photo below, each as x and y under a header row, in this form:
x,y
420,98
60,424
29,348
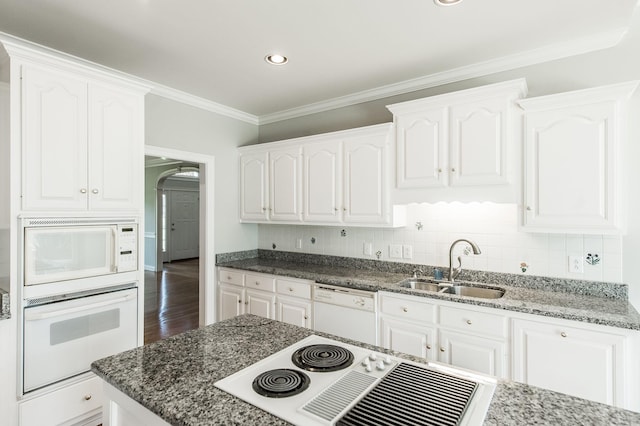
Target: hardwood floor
x,y
171,300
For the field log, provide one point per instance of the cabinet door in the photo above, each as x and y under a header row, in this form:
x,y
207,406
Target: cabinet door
x,y
479,136
474,353
422,147
54,140
570,168
231,302
579,362
407,337
285,184
322,182
260,303
253,186
365,179
116,148
294,311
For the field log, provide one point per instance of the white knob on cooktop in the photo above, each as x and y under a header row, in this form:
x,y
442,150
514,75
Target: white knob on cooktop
x,y
366,363
380,365
373,356
368,368
387,360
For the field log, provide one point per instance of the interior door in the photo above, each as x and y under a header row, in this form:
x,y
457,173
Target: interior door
x,y
184,226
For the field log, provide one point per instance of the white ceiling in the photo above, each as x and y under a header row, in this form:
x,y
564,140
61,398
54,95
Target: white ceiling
x,y
214,49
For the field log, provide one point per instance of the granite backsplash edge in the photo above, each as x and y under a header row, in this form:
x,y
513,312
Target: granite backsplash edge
x,y
564,285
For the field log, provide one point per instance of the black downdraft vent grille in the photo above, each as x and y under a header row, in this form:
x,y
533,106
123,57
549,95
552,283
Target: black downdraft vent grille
x,y
412,395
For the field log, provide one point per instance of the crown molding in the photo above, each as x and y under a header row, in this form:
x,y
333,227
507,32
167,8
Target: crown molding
x,y
18,47
531,57
202,103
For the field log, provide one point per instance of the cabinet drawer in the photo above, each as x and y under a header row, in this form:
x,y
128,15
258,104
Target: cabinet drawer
x,y
260,282
477,322
293,288
77,401
231,277
409,309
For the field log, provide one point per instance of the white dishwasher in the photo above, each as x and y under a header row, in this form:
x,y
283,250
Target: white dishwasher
x,y
346,312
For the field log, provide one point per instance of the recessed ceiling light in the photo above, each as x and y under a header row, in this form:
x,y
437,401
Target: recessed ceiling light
x,y
275,59
446,2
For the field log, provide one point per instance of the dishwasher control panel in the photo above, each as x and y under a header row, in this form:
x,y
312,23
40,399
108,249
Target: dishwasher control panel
x,y
340,296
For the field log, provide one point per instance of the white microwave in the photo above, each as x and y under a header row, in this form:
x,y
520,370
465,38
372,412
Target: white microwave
x,y
60,249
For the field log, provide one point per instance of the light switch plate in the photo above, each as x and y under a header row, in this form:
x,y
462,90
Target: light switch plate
x,y
576,264
367,249
407,251
395,251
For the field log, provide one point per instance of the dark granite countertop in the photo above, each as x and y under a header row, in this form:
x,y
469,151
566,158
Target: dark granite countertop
x,y
598,303
174,379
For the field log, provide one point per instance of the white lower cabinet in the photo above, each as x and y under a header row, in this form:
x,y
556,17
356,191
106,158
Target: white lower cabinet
x,y
403,336
78,403
575,360
283,299
471,339
477,353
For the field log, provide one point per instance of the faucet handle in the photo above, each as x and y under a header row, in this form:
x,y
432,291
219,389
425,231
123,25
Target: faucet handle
x,y
416,272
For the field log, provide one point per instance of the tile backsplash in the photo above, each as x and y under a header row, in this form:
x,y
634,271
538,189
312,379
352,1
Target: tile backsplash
x,y
431,228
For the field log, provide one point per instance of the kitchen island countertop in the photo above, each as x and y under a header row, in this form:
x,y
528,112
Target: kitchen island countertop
x,y
174,379
571,305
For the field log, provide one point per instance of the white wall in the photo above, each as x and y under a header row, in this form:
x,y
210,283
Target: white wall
x,y
618,64
171,124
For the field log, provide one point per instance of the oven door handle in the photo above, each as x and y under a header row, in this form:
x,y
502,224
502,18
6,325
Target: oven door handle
x,y
35,316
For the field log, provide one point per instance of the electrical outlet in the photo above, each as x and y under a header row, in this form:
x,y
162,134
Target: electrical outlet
x,y
395,251
299,243
407,252
367,249
576,264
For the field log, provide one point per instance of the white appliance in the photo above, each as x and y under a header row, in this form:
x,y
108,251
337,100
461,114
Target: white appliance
x,y
345,312
319,381
65,249
64,334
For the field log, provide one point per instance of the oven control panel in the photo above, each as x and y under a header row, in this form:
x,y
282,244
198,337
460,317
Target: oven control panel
x,y
127,253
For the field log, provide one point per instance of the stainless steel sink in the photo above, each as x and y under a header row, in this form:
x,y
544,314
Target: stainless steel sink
x,y
470,291
420,284
425,284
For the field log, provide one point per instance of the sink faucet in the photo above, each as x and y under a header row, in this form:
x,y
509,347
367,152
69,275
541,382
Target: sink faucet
x,y
454,273
417,272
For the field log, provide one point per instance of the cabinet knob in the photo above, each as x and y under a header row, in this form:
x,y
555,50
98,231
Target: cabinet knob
x,y
246,303
87,397
441,349
94,191
257,282
290,288
528,208
439,170
428,347
239,301
335,209
306,317
453,169
344,209
228,277
469,322
563,334
83,190
405,309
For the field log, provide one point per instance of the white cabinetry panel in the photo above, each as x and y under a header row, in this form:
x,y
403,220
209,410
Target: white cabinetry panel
x,y
322,182
285,184
574,144
254,178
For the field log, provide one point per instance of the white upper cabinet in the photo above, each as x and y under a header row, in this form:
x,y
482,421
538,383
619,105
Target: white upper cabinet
x,y
285,184
322,182
335,178
254,183
54,140
271,185
574,143
459,139
82,143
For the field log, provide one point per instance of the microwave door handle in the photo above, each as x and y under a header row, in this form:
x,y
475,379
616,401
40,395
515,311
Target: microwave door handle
x,y
114,249
35,316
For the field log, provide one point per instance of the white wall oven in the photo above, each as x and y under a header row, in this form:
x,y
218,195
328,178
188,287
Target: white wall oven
x,y
63,335
67,249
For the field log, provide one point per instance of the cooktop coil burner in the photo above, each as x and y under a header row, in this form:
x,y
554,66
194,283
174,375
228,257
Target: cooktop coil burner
x,y
322,358
281,383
